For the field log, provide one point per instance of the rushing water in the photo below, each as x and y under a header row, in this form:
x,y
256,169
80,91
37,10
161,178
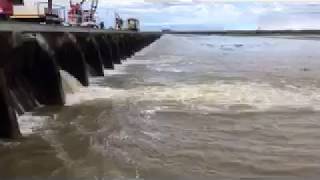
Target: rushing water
x,y
185,107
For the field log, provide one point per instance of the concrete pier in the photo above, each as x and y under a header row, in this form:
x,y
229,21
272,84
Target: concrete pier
x,y
32,56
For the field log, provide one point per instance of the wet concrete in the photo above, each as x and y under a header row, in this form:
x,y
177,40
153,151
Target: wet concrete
x,y
32,56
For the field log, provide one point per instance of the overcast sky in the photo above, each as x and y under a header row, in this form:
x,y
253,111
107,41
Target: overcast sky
x,y
214,14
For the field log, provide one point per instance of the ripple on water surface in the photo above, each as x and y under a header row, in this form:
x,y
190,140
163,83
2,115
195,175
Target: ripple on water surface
x,y
186,106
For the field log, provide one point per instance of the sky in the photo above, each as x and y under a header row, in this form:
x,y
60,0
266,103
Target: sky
x,y
214,14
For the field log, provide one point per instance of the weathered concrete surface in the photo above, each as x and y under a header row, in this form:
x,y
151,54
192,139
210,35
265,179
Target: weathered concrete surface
x,y
71,58
114,49
105,50
9,127
36,65
32,58
92,53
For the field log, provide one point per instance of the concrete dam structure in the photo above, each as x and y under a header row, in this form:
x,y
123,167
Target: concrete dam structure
x,y
33,55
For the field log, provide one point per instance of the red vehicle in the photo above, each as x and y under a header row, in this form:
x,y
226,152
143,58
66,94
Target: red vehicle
x,y
6,9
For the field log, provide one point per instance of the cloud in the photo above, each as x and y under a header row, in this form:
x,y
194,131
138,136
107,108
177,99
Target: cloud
x,y
206,14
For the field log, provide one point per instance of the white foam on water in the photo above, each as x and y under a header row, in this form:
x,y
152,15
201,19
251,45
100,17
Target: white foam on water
x,y
95,81
217,96
75,93
118,69
208,96
69,83
154,135
30,124
91,93
137,61
166,69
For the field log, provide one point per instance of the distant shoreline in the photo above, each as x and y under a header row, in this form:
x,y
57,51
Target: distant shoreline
x,y
32,27
249,32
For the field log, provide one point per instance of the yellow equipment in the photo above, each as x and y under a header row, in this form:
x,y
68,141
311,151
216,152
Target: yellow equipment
x,y
133,24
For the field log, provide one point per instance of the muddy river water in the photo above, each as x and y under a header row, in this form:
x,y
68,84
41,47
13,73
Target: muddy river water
x,y
185,107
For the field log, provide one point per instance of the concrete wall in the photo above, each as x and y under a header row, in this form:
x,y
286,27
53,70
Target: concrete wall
x,y
30,64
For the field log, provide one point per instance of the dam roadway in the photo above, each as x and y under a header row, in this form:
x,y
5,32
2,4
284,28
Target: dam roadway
x,y
32,56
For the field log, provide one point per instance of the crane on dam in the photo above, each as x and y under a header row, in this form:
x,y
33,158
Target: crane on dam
x,y
77,16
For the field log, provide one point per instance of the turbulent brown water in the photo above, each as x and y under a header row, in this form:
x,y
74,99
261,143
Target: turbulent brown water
x,y
186,107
